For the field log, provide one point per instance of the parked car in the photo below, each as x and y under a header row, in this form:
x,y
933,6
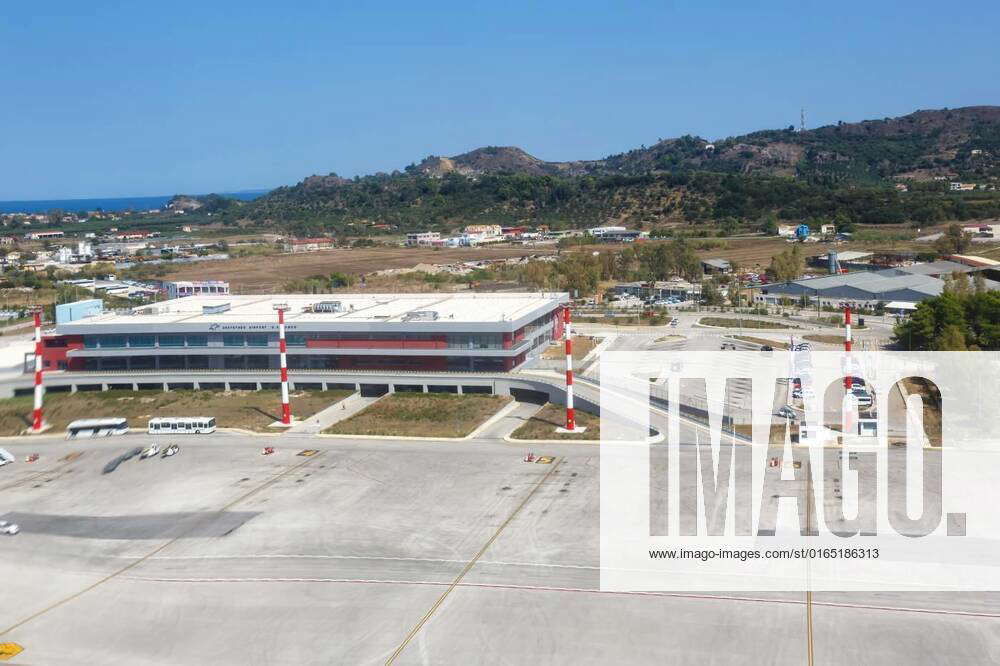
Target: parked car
x,y
9,528
150,451
786,412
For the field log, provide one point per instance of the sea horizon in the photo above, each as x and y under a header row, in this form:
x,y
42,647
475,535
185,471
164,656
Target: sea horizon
x,y
110,204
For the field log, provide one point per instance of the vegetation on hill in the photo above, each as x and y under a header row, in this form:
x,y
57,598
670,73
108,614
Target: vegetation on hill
x,y
845,173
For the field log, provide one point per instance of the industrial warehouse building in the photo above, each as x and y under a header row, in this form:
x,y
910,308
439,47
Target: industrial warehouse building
x,y
910,284
426,332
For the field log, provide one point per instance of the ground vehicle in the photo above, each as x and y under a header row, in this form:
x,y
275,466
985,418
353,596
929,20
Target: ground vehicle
x,y
181,425
766,348
268,450
170,451
5,457
802,393
9,528
150,451
673,322
863,398
786,412
105,427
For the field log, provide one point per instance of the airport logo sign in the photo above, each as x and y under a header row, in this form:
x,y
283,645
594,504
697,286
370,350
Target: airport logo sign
x,y
729,471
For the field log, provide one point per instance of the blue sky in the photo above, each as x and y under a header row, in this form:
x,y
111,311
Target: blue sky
x,y
135,98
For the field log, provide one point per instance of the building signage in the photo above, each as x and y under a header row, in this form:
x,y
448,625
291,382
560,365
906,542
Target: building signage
x,y
249,327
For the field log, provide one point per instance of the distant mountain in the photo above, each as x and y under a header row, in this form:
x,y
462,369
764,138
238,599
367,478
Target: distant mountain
x,y
919,146
845,170
495,159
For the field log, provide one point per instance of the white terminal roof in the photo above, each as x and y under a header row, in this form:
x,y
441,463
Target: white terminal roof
x,y
358,311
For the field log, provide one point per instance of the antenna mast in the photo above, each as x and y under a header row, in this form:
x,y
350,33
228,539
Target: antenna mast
x,y
802,119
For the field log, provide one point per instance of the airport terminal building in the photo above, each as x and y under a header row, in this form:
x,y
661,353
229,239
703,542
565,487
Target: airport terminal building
x,y
491,332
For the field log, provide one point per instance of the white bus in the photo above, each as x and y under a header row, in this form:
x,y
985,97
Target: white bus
x,y
83,428
181,425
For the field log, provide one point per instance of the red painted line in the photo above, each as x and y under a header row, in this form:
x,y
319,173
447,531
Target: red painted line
x,y
551,588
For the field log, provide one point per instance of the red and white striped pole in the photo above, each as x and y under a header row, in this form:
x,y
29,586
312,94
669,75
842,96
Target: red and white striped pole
x,y
570,419
286,410
36,421
848,382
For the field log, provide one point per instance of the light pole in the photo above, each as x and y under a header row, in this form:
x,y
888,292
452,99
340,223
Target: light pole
x,y
36,420
286,410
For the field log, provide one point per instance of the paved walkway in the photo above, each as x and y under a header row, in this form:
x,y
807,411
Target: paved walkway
x,y
338,411
509,422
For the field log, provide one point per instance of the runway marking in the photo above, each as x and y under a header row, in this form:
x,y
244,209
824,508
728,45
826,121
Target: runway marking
x,y
8,650
553,588
468,567
358,557
160,548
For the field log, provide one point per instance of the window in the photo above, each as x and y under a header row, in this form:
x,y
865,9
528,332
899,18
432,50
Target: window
x,y
90,342
141,341
197,341
256,340
295,340
112,341
233,340
171,340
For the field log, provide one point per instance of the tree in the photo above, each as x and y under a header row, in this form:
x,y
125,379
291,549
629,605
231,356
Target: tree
x,y
957,283
979,282
788,265
954,240
951,339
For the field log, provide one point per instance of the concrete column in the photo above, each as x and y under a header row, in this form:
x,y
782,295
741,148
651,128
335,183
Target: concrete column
x,y
197,386
258,386
135,386
324,386
392,388
425,388
460,389
72,388
104,387
226,386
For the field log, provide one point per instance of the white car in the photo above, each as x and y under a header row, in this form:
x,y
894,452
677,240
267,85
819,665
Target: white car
x,y
150,451
171,450
9,528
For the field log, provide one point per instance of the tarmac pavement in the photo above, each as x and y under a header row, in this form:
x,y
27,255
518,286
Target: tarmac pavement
x,y
374,552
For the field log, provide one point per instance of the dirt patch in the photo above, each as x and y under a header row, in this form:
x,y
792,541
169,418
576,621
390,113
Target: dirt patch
x,y
422,415
250,410
931,397
825,339
582,345
761,341
252,274
543,425
735,322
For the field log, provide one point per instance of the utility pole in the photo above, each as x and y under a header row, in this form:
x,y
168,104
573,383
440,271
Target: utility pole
x,y
36,420
286,410
570,415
